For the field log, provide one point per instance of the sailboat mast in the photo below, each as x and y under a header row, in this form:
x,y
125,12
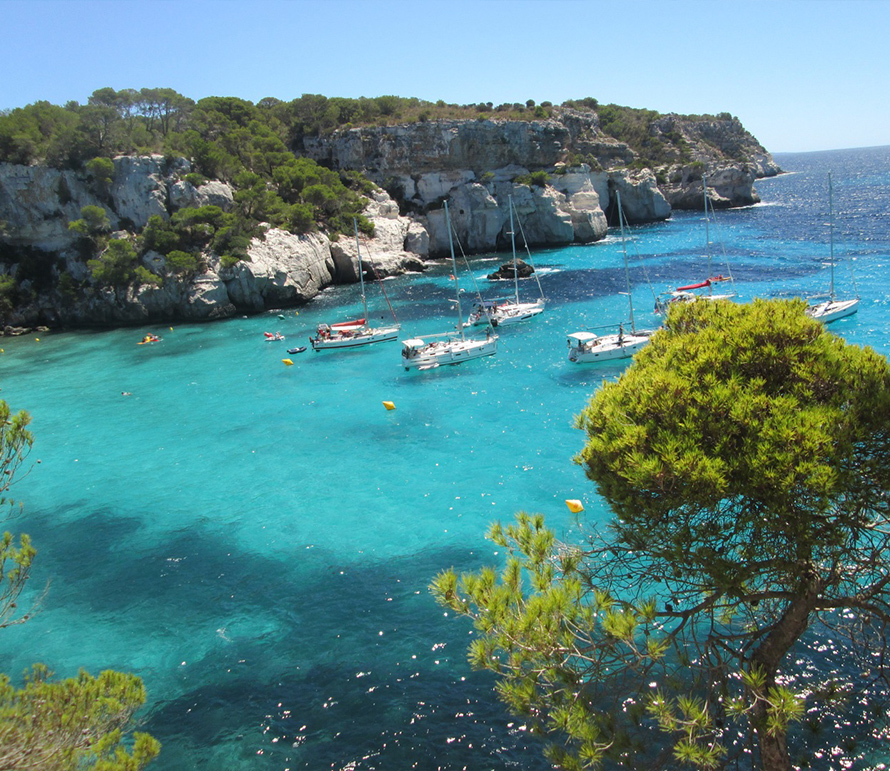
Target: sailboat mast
x,y
704,185
513,244
831,235
460,319
361,273
630,301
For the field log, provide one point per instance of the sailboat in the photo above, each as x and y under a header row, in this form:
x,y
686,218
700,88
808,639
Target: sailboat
x,y
589,347
352,334
832,309
453,347
688,293
510,311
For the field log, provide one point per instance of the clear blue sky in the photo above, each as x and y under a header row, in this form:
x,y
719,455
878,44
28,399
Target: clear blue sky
x,y
800,74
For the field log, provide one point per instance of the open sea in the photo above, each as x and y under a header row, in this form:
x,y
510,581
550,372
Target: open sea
x,y
255,540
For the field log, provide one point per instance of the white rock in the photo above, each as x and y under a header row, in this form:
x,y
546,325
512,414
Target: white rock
x,y
182,194
283,269
37,203
138,189
215,193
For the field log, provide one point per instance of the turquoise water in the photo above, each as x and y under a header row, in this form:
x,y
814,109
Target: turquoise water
x,y
256,540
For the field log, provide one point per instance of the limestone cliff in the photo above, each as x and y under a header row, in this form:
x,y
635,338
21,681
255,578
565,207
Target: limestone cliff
x,y
477,164
282,269
561,173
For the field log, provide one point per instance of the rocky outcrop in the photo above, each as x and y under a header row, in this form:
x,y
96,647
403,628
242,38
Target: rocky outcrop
x,y
728,186
718,142
212,193
139,188
282,269
389,253
721,148
507,271
37,202
478,165
442,146
475,165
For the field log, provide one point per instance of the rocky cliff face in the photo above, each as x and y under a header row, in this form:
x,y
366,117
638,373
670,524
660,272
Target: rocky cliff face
x,y
562,176
479,165
37,202
732,158
36,205
476,165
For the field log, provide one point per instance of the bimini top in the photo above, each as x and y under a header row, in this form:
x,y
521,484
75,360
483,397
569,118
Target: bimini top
x,y
582,337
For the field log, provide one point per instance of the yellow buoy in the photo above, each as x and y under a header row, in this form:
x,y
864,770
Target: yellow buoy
x,y
289,362
574,505
389,405
36,339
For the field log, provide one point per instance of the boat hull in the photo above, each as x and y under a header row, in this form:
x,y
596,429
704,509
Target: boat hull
x,y
420,355
832,310
355,339
502,315
605,347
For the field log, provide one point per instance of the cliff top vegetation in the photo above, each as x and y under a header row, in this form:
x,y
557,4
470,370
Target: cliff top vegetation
x,y
216,131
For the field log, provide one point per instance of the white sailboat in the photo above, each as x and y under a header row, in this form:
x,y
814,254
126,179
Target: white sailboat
x,y
509,311
585,347
449,347
832,309
688,293
353,334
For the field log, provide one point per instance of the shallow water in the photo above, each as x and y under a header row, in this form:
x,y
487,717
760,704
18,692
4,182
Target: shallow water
x,y
256,540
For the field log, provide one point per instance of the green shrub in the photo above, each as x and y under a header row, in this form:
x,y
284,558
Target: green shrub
x,y
101,169
118,266
8,294
94,221
181,263
300,218
142,275
536,179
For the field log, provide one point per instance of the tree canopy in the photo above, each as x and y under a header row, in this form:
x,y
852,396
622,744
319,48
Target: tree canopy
x,y
744,457
160,120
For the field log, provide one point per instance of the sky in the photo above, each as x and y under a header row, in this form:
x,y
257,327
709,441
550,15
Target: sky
x,y
801,75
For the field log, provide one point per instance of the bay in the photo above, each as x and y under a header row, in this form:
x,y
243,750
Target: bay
x,y
255,540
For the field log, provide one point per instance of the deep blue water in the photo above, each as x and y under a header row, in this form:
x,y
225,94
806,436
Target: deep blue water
x,y
256,540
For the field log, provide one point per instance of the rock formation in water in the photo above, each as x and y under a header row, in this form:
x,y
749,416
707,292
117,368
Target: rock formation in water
x,y
508,271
